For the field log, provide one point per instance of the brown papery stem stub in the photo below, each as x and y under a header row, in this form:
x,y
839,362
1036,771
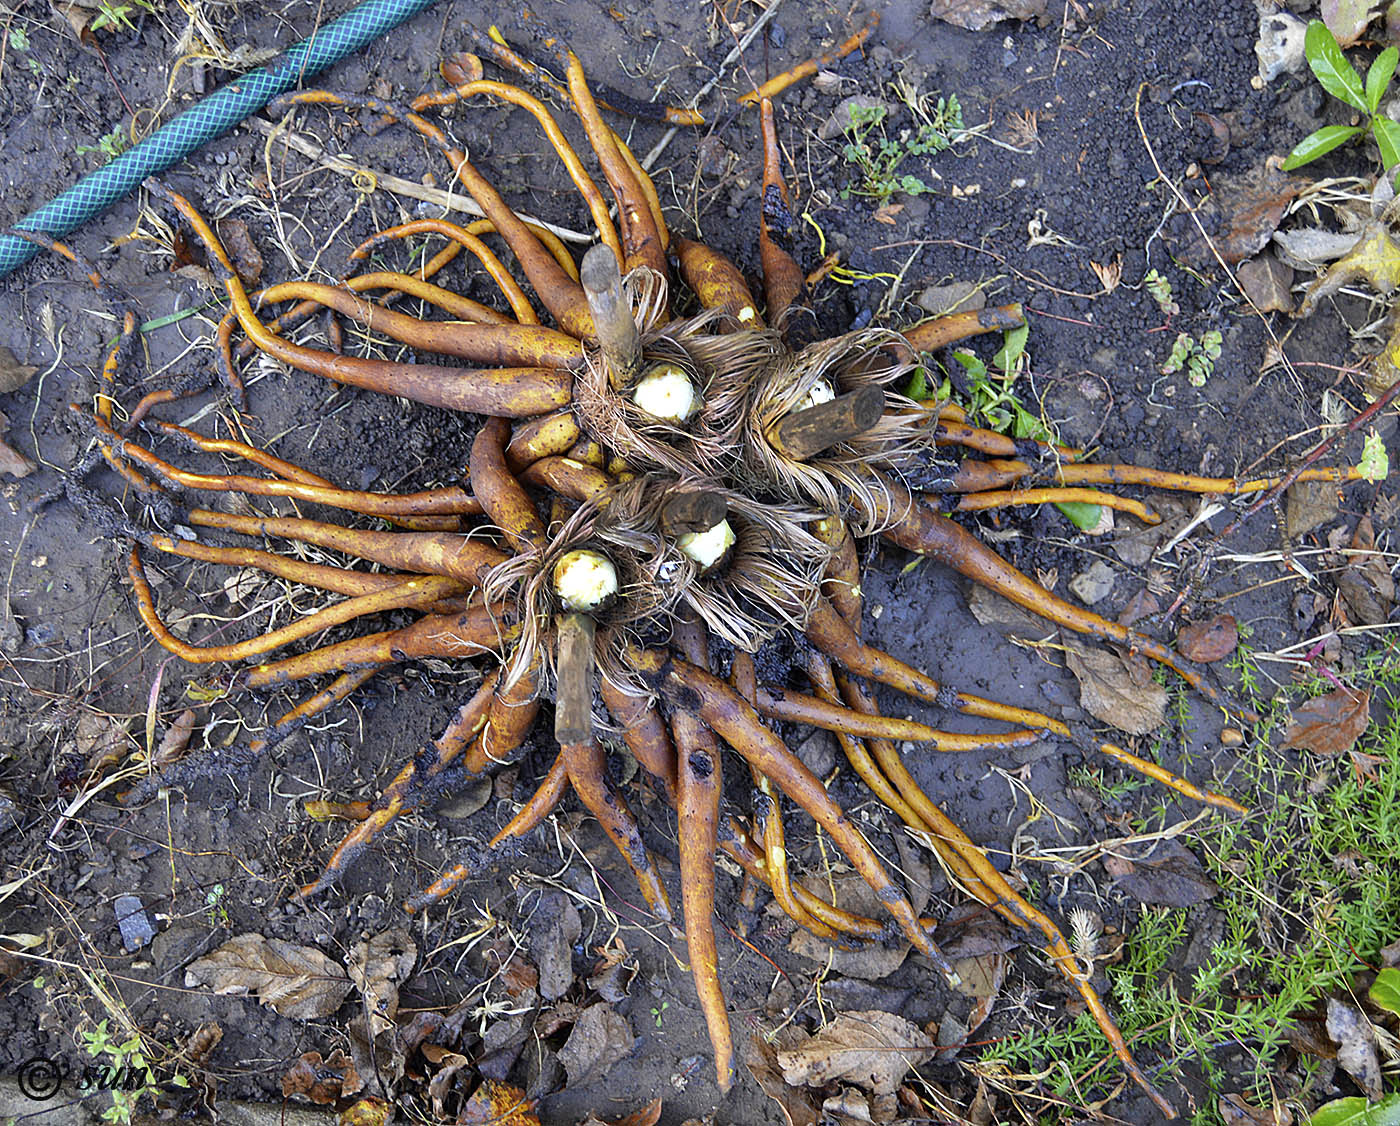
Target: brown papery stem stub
x,y
692,512
806,433
573,700
612,316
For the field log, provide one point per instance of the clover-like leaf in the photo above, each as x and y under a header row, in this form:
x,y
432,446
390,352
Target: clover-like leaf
x,y
1379,76
1337,75
1320,143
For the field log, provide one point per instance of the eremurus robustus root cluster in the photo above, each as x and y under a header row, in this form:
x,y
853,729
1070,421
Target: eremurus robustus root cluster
x,y
662,462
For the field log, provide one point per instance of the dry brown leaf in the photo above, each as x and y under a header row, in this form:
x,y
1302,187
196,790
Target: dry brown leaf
x,y
498,1104
1208,641
1170,876
1109,692
1309,505
649,1115
1237,1112
377,968
873,1050
102,740
247,260
977,15
322,1081
1110,273
600,1037
444,1080
13,374
887,213
11,460
1248,209
1330,724
798,1106
1267,282
299,982
176,738
1366,585
1357,1053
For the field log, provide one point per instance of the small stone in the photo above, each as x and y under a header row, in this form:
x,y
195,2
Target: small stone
x,y
958,297
1093,585
135,924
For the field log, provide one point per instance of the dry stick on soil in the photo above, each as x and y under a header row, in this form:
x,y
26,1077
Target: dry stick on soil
x,y
612,317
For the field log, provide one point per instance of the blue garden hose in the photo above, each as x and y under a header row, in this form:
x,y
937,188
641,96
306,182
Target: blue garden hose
x,y
204,121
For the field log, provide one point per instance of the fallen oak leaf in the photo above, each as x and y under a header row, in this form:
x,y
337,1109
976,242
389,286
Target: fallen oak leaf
x,y
299,982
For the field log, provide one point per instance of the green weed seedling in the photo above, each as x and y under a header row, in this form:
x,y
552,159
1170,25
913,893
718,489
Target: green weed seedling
x,y
1196,357
111,145
1339,78
878,157
993,403
122,1070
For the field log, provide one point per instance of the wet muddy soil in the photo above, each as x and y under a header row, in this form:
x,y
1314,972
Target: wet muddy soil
x,y
1081,118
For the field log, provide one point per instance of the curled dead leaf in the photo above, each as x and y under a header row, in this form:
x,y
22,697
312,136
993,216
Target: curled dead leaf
x,y
322,1081
1329,724
1210,640
1109,692
873,1050
299,982
1357,1052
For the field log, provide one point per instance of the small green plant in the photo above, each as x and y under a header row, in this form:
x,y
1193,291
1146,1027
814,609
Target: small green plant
x,y
214,907
116,16
658,1011
1161,290
1339,78
878,157
992,401
1196,357
122,1070
111,145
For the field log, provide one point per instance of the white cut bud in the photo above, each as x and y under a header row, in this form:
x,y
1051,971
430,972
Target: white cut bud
x,y
708,547
821,392
747,313
666,393
584,580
